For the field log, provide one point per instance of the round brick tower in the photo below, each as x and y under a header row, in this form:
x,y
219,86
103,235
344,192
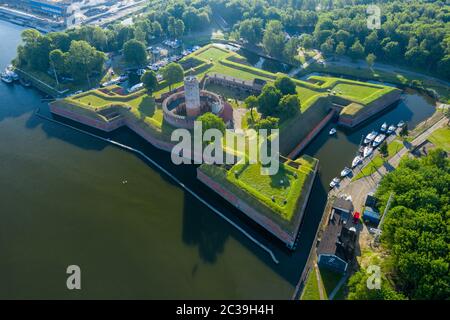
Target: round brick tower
x,y
192,96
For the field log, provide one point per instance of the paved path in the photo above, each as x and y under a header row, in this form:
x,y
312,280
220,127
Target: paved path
x,y
360,188
294,71
319,282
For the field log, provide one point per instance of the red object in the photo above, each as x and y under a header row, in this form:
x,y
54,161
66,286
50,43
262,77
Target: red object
x,y
356,216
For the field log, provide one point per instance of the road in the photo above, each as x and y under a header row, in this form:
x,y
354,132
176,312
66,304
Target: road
x,y
345,62
360,188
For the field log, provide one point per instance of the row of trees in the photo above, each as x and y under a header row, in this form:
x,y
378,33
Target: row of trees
x,y
76,58
415,231
412,32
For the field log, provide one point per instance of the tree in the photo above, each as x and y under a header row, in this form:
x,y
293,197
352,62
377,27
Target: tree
x,y
156,29
57,62
211,121
341,49
447,115
415,229
285,84
384,149
392,50
370,59
357,287
176,27
251,102
251,30
172,73
356,50
291,50
328,46
404,131
289,106
268,100
134,52
273,39
268,123
82,59
149,80
307,41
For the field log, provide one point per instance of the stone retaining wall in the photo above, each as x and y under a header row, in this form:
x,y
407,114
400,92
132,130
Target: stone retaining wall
x,y
286,236
370,110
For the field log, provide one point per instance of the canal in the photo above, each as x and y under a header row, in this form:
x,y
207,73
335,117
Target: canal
x,y
67,198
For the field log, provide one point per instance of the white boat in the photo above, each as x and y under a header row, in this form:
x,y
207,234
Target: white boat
x,y
356,161
391,129
370,137
367,151
332,131
379,139
401,124
345,172
6,78
111,82
136,87
384,127
334,182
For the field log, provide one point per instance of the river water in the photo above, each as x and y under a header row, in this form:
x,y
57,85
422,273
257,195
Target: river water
x,y
67,198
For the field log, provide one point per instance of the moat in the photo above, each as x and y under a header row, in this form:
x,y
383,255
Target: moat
x,y
67,198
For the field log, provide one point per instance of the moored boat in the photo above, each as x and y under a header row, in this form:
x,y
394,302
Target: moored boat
x,y
379,139
334,182
345,172
356,161
332,131
401,124
384,127
6,78
370,137
367,151
391,129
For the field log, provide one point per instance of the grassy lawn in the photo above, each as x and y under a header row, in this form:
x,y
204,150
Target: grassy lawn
x,y
441,138
311,289
377,162
393,76
213,54
280,192
355,91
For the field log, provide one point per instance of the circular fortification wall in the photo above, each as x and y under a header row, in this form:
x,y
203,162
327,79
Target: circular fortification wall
x,y
175,113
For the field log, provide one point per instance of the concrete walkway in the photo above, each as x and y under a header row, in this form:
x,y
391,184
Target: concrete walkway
x,y
360,188
319,282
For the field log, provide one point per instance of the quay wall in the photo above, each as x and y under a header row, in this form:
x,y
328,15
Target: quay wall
x,y
370,110
288,237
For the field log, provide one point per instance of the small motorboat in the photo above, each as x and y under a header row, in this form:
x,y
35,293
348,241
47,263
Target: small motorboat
x,y
356,161
26,83
332,131
345,172
6,78
384,127
367,151
370,137
401,124
391,129
379,139
334,182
